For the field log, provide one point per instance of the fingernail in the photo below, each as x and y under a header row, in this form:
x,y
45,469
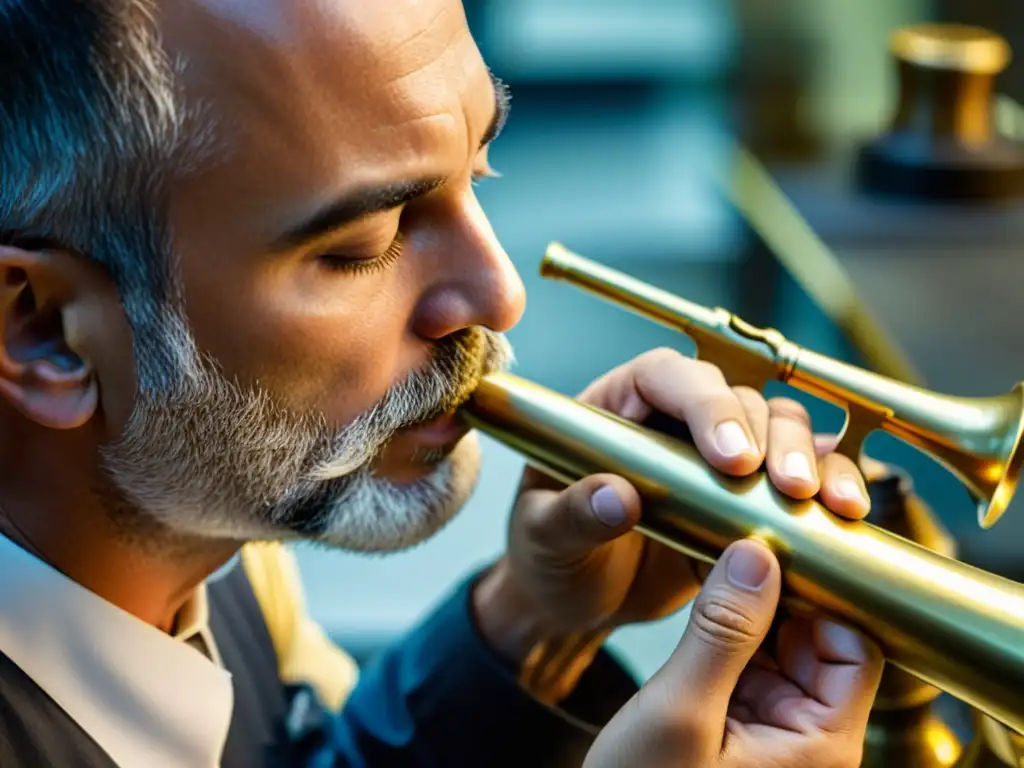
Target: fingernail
x,y
748,566
607,507
797,466
844,643
849,488
732,439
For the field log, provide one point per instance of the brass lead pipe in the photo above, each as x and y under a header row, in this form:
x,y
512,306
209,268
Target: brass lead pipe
x,y
978,439
952,625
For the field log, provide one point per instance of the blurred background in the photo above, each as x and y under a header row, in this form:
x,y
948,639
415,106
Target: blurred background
x,y
625,116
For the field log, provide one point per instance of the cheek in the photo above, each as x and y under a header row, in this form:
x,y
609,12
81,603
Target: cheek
x,y
324,344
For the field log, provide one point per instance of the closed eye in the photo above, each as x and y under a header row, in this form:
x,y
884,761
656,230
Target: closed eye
x,y
360,265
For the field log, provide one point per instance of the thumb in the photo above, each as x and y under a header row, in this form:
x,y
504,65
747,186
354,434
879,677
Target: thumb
x,y
566,525
729,620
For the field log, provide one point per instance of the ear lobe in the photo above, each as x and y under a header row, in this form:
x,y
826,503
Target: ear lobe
x,y
56,409
40,375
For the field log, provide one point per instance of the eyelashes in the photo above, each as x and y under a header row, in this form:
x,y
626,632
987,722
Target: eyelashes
x,y
338,263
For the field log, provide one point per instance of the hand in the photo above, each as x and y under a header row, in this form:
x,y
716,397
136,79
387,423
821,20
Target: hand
x,y
720,702
575,570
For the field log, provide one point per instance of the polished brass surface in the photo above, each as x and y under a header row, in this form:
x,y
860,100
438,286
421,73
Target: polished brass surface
x,y
952,625
948,624
904,728
978,439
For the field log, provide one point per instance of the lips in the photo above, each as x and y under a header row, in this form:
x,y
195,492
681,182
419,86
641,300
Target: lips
x,y
438,432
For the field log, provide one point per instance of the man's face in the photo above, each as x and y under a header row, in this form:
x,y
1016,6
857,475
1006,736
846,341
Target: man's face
x,y
340,283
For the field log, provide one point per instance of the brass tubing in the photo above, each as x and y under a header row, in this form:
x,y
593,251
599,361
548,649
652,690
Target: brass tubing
x,y
979,439
952,625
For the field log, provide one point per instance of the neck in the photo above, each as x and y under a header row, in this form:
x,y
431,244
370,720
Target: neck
x,y
73,529
151,590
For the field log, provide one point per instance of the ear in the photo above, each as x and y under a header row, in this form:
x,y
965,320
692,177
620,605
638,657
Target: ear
x,y
41,373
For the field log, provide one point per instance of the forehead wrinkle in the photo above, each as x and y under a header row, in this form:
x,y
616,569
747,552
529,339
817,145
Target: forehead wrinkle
x,y
416,91
421,31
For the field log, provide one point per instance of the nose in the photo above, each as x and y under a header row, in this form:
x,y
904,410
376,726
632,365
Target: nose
x,y
474,283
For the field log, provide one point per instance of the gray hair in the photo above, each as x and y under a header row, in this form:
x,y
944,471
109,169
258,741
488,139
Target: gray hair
x,y
92,132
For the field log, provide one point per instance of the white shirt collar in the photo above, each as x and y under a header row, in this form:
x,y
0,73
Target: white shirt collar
x,y
145,697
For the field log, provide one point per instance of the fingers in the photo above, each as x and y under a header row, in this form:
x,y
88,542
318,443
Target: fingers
x,y
696,393
825,443
734,428
791,460
801,464
842,487
565,526
756,408
728,622
834,665
772,699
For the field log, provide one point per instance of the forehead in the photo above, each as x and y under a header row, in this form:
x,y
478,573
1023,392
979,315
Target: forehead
x,y
328,93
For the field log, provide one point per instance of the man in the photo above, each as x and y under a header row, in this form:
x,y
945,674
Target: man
x,y
245,284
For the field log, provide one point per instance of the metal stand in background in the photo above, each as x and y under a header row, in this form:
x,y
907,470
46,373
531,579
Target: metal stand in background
x,y
904,729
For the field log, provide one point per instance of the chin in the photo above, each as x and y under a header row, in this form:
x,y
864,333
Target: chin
x,y
381,515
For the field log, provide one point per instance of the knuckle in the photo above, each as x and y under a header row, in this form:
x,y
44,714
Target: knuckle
x,y
576,514
533,521
722,621
659,359
748,394
567,517
790,410
662,358
709,370
839,464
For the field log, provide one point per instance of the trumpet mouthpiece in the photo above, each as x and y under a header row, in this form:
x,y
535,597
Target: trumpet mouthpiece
x,y
556,260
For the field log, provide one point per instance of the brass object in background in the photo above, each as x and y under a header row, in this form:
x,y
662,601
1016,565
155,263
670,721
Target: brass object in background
x,y
952,48
993,746
979,440
942,143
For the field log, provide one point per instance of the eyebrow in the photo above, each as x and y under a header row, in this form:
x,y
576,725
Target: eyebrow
x,y
382,198
502,107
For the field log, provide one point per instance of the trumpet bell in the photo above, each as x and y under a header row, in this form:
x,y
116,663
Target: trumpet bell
x,y
992,475
977,439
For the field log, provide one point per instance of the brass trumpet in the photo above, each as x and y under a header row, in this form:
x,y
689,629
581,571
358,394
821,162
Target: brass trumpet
x,y
953,626
979,440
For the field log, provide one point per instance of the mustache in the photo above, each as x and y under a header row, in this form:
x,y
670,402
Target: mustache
x,y
457,364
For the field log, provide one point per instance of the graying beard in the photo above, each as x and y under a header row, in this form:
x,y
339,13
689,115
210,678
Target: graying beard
x,y
208,457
